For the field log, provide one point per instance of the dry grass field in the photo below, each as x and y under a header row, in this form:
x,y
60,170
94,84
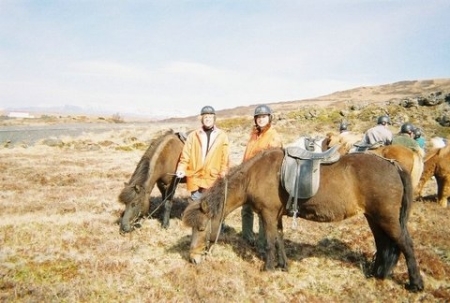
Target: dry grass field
x,y
60,242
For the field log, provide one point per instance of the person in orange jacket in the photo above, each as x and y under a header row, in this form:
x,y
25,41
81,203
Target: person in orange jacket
x,y
205,155
263,136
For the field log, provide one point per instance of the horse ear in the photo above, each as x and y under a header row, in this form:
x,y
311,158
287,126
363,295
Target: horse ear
x,y
204,206
138,188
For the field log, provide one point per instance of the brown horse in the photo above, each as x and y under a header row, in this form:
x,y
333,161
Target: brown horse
x,y
157,166
411,160
437,164
346,141
356,184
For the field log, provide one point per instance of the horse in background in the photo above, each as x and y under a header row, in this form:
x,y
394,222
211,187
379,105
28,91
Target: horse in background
x,y
437,164
157,166
309,143
438,142
356,184
411,160
346,140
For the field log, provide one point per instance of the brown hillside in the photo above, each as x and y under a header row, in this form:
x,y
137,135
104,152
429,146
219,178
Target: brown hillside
x,y
367,95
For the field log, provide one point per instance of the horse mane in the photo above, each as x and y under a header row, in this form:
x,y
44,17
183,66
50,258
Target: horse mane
x,y
140,174
431,153
236,174
214,196
439,151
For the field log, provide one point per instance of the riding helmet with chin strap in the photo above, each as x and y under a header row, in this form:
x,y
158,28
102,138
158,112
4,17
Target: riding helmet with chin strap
x,y
207,110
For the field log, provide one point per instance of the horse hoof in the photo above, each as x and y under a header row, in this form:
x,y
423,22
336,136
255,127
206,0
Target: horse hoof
x,y
414,287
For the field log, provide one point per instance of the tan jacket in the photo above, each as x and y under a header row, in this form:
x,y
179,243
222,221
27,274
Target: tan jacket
x,y
258,142
203,167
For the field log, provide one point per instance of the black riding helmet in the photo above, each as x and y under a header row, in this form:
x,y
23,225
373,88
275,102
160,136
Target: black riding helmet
x,y
417,133
262,110
384,120
407,128
207,110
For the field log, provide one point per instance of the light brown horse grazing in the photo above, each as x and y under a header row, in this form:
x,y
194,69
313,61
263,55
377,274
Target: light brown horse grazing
x,y
437,164
157,166
356,184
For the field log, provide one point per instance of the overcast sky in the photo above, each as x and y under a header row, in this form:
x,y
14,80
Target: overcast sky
x,y
173,57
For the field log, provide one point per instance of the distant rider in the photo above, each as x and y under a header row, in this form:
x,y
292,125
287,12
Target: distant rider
x,y
379,133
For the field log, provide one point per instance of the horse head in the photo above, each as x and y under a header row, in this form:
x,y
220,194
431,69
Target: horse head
x,y
205,227
136,204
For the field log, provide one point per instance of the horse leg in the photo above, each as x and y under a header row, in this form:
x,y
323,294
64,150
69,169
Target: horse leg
x,y
282,258
167,210
406,246
271,237
167,196
427,173
443,186
389,245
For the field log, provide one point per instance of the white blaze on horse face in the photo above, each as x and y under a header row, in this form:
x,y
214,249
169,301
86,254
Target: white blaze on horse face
x,y
262,120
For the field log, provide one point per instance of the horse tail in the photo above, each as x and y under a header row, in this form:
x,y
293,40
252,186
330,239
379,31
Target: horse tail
x,y
417,169
407,199
388,250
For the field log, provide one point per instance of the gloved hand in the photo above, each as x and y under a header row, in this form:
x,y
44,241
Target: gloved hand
x,y
180,174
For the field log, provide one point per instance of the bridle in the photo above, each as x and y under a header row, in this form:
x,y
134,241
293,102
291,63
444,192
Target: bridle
x,y
138,217
177,181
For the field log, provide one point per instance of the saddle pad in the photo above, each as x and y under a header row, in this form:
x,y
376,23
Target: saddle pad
x,y
308,173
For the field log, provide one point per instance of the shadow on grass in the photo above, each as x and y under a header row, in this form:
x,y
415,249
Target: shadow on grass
x,y
325,248
157,209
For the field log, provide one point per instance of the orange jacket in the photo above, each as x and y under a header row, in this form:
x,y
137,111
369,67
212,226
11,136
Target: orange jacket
x,y
203,167
258,142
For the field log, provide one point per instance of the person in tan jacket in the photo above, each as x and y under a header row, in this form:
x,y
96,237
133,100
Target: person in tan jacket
x,y
263,136
205,155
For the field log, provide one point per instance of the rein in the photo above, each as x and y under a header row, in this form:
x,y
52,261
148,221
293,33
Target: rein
x,y
177,181
208,236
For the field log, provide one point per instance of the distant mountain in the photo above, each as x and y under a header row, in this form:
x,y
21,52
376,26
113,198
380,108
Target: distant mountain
x,y
361,95
365,94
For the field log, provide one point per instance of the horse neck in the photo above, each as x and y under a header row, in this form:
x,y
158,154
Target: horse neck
x,y
429,165
156,167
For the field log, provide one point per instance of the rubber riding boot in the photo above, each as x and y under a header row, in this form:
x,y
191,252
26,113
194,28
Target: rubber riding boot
x,y
247,224
261,241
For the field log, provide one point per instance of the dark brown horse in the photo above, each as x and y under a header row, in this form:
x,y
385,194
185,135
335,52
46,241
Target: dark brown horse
x,y
437,164
356,184
157,166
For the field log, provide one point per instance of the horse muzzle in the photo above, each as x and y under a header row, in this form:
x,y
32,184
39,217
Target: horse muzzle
x,y
196,258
